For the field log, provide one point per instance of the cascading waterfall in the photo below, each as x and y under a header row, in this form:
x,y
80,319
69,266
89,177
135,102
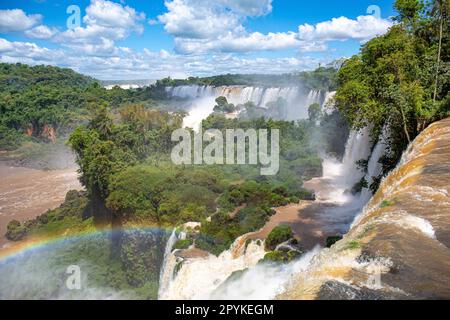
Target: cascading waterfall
x,y
328,105
374,167
342,176
202,99
206,278
402,245
198,278
168,265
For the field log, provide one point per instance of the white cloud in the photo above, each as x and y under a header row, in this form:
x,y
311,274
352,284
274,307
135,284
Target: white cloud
x,y
16,20
251,8
113,15
209,38
363,28
41,32
106,22
205,19
240,43
28,52
201,26
128,64
197,19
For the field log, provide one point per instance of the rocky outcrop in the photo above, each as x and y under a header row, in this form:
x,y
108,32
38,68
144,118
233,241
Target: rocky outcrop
x,y
47,132
399,247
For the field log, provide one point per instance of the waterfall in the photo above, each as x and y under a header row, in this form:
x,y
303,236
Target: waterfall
x,y
202,99
328,105
374,167
340,177
168,265
198,278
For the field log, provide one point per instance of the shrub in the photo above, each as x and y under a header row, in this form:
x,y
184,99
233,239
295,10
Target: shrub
x,y
281,256
15,231
332,240
182,244
277,236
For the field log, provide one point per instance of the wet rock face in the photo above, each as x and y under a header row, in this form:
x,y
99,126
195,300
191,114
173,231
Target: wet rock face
x,y
410,218
333,290
402,236
141,255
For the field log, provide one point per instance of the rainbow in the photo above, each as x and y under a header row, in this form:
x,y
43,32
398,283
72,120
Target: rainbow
x,y
47,242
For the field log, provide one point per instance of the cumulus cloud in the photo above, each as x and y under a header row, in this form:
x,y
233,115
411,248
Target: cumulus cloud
x,y
27,52
197,19
113,15
106,22
363,28
41,32
209,38
17,20
240,43
126,63
205,19
201,26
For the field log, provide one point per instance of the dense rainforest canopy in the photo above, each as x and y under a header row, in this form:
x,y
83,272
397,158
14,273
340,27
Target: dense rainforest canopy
x,y
400,81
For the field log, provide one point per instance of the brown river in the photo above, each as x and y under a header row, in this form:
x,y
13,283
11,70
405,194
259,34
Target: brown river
x,y
26,193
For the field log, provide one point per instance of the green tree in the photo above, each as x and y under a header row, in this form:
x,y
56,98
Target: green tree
x,y
314,112
223,106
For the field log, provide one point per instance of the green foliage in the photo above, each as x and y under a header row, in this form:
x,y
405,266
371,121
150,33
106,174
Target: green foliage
x,y
15,231
409,10
332,240
217,236
387,203
44,102
399,80
277,236
163,194
323,78
183,244
222,106
314,112
281,256
353,245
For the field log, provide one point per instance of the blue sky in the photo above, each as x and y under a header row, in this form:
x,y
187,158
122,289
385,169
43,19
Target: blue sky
x,y
136,39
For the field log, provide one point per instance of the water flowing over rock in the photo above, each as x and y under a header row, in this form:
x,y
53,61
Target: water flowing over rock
x,y
199,277
168,265
399,247
203,99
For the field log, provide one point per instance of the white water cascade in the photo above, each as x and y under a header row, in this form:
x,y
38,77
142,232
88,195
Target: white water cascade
x,y
198,278
374,167
340,177
202,99
209,278
168,265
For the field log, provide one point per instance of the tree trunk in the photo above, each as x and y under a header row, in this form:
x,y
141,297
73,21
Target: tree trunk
x,y
405,127
439,56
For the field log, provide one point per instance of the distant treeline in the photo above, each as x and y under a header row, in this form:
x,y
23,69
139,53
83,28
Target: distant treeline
x,y
323,78
39,103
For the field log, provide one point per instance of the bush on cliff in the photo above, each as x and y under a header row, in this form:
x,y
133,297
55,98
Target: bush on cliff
x,y
277,236
15,231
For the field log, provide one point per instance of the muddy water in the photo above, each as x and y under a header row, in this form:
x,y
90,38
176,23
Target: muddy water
x,y
399,247
26,193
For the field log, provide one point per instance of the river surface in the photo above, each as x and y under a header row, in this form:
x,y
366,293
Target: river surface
x,y
27,193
